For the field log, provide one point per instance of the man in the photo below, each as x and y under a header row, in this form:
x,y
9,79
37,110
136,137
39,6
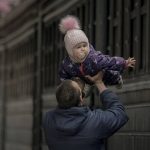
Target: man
x,y
73,126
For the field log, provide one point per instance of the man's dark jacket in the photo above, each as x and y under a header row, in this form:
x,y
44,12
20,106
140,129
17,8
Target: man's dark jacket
x,y
80,128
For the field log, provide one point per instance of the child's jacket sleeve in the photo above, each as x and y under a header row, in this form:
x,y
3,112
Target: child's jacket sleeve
x,y
105,62
63,73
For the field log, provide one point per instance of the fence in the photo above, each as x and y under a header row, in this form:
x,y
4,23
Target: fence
x,y
33,48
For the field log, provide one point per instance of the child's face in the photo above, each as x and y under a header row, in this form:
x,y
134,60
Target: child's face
x,y
80,51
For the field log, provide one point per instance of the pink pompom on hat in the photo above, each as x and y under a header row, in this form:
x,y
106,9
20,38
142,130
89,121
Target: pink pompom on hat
x,y
70,26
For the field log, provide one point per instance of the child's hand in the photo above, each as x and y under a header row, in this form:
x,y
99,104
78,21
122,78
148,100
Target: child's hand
x,y
130,62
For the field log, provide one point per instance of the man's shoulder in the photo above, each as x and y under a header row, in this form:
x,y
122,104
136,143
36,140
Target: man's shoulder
x,y
49,113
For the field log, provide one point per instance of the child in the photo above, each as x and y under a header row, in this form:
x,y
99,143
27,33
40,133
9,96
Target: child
x,y
83,60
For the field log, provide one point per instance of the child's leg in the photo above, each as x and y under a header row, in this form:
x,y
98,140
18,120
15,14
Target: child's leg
x,y
120,83
112,77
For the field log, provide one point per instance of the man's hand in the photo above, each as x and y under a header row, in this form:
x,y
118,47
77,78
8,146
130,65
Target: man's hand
x,y
96,79
130,62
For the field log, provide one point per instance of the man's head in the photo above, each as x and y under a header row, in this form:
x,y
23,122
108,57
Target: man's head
x,y
68,94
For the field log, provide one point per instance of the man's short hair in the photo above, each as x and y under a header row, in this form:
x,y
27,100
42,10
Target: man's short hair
x,y
67,95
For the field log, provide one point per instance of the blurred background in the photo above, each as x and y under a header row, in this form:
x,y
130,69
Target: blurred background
x,y
31,48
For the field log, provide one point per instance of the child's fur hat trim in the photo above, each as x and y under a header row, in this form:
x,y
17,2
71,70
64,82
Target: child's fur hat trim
x,y
69,23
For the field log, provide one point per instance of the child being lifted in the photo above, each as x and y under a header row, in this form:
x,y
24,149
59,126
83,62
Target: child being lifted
x,y
83,60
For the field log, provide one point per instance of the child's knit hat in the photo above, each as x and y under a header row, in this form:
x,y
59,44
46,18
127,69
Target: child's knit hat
x,y
70,26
